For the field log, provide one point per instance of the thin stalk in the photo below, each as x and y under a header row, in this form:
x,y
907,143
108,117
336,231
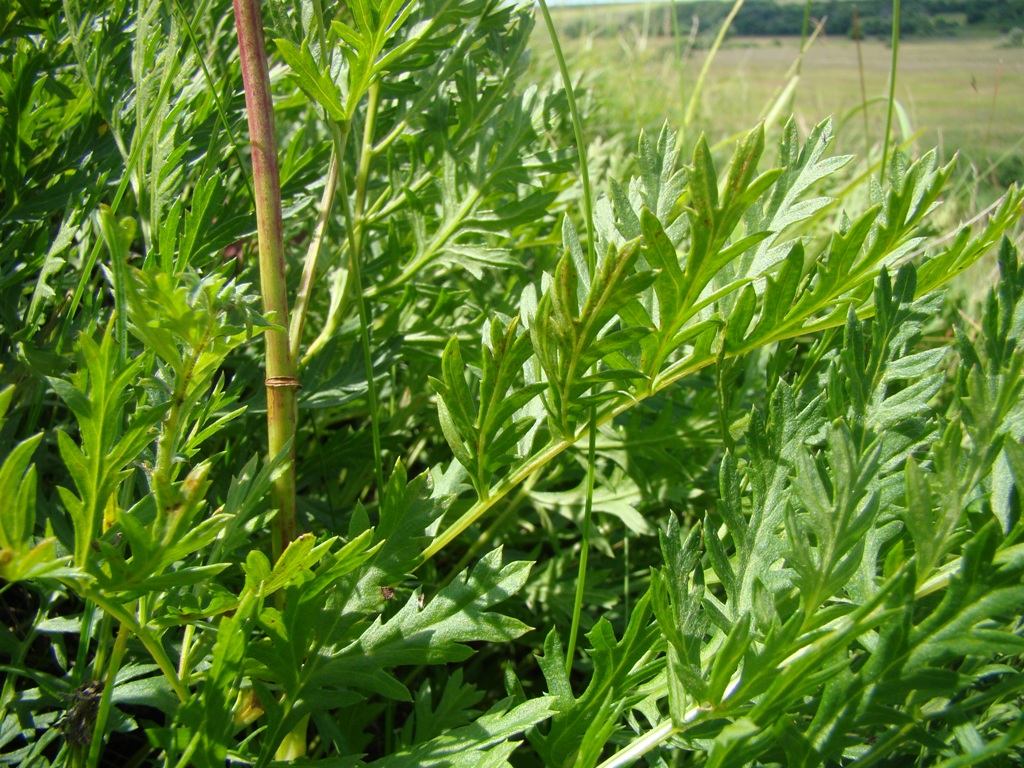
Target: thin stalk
x,y
683,54
783,97
577,127
581,149
892,87
217,103
806,28
152,644
186,756
312,257
79,754
339,135
643,745
863,87
677,43
186,649
625,575
492,530
102,644
588,509
281,383
167,442
992,110
100,726
698,87
806,39
85,637
355,224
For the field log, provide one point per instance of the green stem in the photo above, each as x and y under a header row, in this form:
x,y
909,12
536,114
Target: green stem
x,y
581,149
588,509
167,442
625,575
355,236
806,28
85,636
355,224
492,531
892,87
102,645
691,107
186,650
863,87
637,749
152,644
312,258
217,103
577,127
186,756
281,383
437,242
116,656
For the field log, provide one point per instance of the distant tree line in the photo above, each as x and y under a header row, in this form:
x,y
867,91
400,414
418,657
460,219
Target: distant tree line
x,y
917,17
770,18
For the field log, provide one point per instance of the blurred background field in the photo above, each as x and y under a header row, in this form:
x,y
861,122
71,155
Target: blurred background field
x,y
960,87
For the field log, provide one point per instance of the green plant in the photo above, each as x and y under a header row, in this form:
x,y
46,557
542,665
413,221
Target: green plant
x,y
753,372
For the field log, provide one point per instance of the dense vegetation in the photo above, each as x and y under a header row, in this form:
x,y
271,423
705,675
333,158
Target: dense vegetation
x,y
581,454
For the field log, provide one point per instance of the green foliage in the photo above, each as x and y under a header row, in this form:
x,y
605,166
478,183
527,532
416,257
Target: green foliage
x,y
782,18
758,353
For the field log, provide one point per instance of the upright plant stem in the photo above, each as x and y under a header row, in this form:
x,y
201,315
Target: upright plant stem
x,y
892,87
588,510
100,727
806,28
863,86
355,223
312,258
698,87
362,174
992,110
677,42
581,149
339,136
577,127
280,370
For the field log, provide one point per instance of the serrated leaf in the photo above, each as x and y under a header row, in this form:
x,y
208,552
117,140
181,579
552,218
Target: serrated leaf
x,y
317,85
435,633
472,746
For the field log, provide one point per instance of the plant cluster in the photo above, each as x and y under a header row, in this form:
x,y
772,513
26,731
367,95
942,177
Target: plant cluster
x,y
714,423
